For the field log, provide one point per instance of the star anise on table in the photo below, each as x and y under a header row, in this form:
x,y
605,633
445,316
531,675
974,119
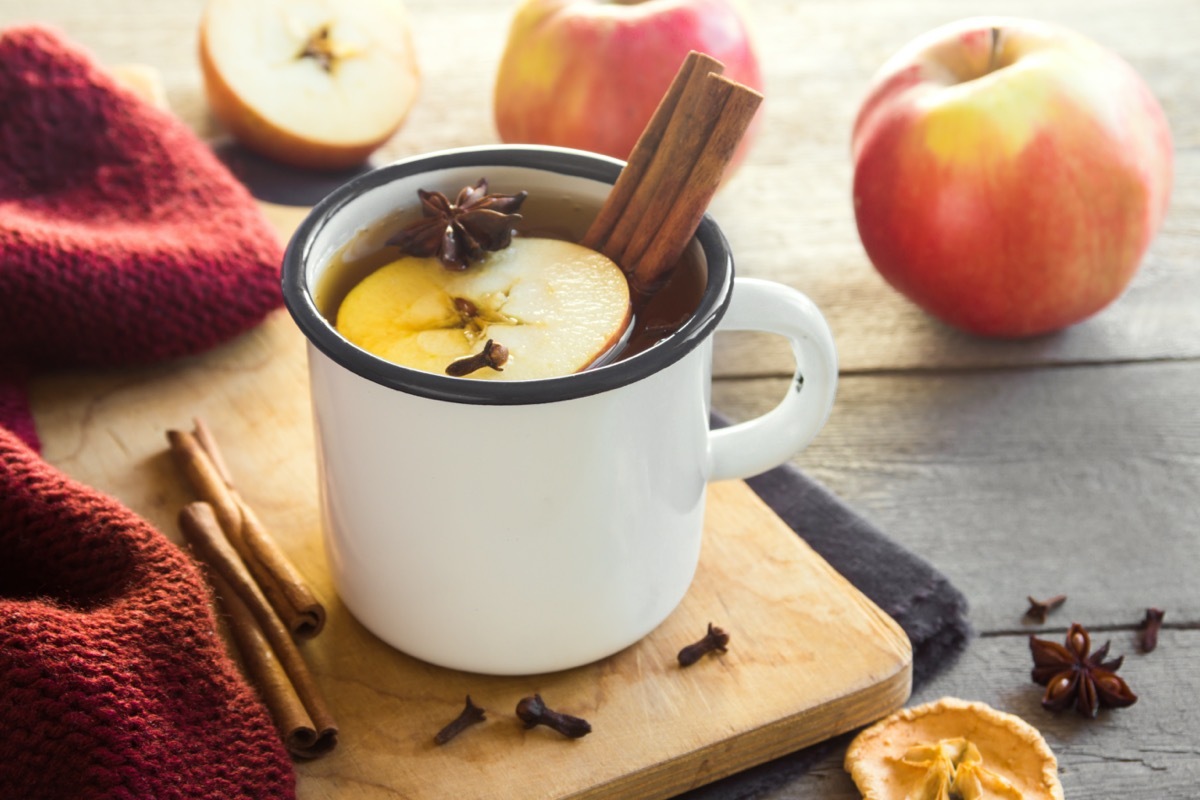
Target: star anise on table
x,y
464,231
1071,673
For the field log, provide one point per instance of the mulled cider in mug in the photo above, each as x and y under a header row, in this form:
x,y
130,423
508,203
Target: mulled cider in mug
x,y
554,306
484,519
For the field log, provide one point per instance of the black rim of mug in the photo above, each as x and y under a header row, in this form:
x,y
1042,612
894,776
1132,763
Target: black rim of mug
x,y
299,301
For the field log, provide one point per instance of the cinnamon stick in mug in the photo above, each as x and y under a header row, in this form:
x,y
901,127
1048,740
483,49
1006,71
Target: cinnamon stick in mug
x,y
673,172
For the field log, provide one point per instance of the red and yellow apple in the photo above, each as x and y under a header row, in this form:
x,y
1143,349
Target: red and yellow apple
x,y
588,74
1009,175
310,83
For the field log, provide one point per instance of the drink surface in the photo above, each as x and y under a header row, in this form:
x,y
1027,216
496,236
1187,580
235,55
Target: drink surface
x,y
421,325
555,306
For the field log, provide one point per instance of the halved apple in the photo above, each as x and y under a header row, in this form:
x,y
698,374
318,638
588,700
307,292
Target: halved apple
x,y
555,305
314,83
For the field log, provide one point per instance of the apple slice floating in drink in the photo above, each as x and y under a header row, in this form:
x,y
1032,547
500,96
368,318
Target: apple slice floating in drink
x,y
556,306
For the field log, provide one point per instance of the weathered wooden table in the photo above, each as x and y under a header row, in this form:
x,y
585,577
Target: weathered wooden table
x,y
1063,464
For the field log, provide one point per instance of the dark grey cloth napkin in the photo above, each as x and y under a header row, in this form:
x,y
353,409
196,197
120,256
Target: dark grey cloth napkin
x,y
925,604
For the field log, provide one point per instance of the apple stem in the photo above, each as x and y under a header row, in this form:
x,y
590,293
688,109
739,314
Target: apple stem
x,y
993,56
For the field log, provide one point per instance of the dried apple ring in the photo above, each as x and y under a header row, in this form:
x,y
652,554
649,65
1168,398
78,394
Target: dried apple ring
x,y
953,748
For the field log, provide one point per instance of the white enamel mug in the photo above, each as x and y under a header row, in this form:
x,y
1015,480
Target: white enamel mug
x,y
523,527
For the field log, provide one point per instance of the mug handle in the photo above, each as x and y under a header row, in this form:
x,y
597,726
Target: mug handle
x,y
764,442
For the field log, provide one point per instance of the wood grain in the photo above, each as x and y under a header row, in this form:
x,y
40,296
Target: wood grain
x,y
811,656
787,213
789,218
1078,481
1010,471
1148,749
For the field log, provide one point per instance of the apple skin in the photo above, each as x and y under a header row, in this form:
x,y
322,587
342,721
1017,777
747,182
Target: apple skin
x,y
589,74
1012,193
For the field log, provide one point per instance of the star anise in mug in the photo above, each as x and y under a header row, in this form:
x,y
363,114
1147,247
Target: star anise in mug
x,y
1073,674
464,231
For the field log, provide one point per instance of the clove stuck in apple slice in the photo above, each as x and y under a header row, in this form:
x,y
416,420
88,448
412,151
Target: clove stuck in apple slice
x,y
556,307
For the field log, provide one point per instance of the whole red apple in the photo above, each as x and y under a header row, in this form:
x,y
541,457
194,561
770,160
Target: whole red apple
x,y
588,74
1009,175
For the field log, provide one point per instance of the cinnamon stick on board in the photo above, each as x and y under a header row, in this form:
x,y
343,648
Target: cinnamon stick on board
x,y
673,172
200,460
272,660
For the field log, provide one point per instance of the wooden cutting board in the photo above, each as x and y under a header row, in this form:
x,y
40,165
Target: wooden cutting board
x,y
810,656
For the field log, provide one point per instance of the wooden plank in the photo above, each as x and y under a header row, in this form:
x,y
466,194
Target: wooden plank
x,y
1148,749
788,212
1080,481
789,218
801,227
814,657
938,461
876,329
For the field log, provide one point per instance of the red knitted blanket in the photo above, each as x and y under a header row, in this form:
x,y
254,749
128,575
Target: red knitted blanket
x,y
113,681
122,240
